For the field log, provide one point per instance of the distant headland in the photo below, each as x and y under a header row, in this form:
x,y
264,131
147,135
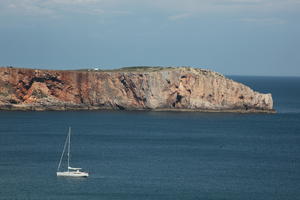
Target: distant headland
x,y
129,88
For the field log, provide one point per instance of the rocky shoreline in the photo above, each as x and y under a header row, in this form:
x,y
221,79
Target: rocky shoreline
x,y
10,107
133,88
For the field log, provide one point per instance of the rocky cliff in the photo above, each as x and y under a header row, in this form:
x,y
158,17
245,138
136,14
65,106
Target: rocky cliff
x,y
147,88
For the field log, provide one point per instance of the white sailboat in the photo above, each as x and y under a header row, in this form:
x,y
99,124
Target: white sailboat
x,y
71,171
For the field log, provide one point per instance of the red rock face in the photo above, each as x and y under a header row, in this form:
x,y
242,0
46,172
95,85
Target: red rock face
x,y
149,89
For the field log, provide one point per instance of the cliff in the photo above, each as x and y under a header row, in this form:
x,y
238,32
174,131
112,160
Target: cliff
x,y
147,88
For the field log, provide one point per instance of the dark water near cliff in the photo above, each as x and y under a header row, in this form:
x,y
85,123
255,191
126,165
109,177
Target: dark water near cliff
x,y
158,155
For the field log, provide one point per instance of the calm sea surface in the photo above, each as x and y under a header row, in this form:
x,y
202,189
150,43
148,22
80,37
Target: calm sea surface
x,y
158,155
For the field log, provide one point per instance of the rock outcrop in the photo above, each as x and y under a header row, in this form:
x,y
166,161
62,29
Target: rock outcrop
x,y
146,88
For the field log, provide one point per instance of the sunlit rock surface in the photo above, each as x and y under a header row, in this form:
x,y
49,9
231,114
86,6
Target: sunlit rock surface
x,y
135,88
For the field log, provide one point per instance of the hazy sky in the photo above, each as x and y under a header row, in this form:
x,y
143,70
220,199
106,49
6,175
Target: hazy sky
x,y
239,37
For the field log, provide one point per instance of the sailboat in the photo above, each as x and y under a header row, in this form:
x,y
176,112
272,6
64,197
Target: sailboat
x,y
71,171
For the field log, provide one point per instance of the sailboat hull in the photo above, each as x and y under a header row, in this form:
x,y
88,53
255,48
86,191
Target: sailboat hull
x,y
73,174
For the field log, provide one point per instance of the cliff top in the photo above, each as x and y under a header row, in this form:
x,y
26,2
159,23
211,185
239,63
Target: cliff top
x,y
138,69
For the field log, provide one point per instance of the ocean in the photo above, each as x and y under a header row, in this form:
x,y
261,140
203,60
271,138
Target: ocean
x,y
157,155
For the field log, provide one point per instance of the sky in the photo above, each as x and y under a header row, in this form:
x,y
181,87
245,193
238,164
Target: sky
x,y
233,37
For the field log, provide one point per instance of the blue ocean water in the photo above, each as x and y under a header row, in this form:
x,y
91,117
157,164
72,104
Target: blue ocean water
x,y
158,155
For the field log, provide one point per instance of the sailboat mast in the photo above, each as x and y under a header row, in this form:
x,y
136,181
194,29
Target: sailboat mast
x,y
61,157
69,147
